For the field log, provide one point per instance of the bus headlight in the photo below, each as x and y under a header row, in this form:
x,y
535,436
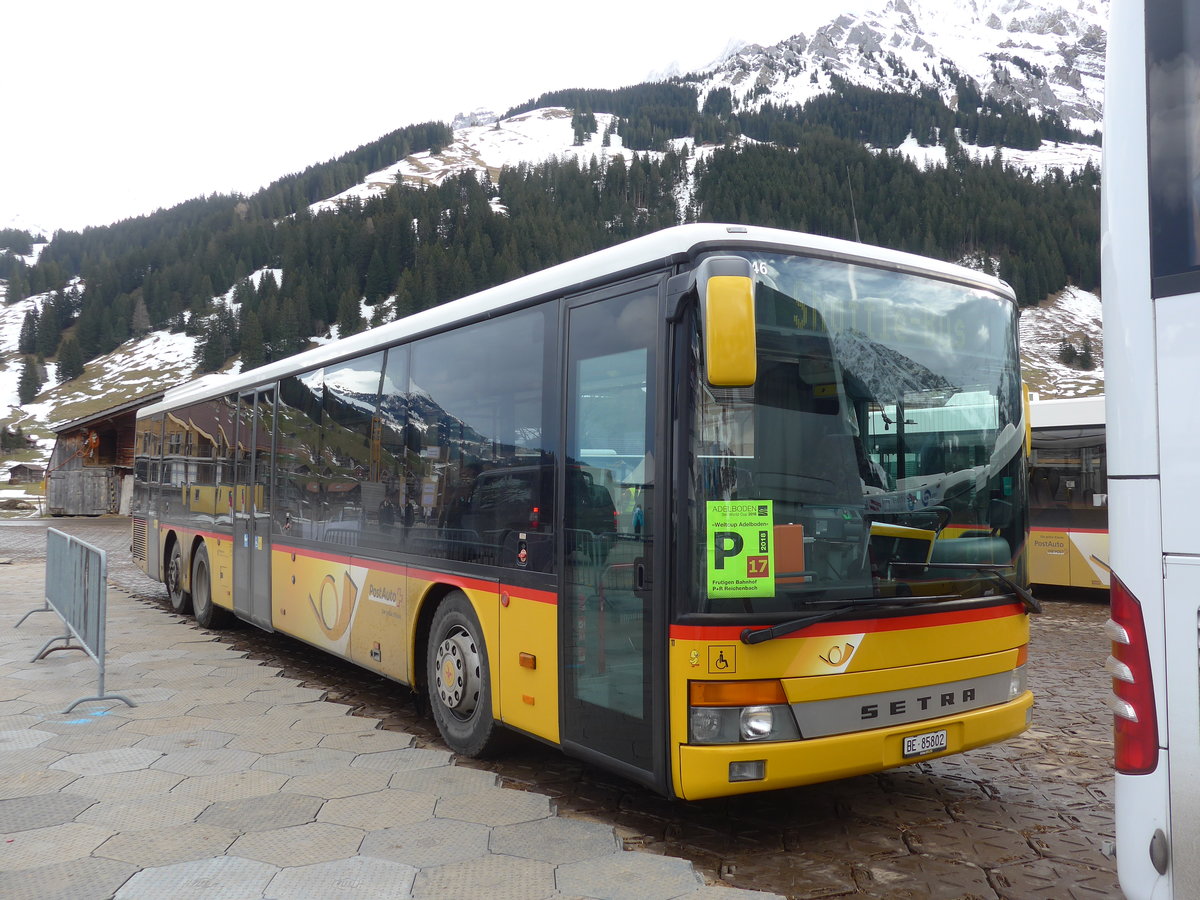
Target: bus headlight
x,y
1018,683
758,722
734,712
705,726
735,725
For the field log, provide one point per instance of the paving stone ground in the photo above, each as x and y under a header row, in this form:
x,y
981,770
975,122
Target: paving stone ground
x,y
1031,817
229,780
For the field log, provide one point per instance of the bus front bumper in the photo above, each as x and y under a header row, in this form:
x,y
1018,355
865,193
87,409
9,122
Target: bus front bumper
x,y
704,771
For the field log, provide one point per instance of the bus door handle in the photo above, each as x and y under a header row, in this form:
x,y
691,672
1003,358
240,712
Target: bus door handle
x,y
641,580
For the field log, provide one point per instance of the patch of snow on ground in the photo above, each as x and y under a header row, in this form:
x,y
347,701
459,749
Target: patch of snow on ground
x,y
1069,316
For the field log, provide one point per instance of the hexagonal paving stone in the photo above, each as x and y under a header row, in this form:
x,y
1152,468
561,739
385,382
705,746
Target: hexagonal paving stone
x,y
207,762
967,842
222,878
262,813
88,743
332,785
282,740
175,741
164,846
238,710
234,786
1076,847
555,840
372,741
38,781
42,846
299,845
103,762
401,760
91,722
16,761
628,876
432,843
168,725
126,785
305,762
444,780
23,739
21,722
495,806
1051,879
41,811
938,879
286,695
86,877
360,877
335,724
378,810
148,812
495,877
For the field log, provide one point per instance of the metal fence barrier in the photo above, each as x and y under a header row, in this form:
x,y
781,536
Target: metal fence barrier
x,y
77,589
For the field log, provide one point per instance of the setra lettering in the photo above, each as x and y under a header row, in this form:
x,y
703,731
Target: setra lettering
x,y
895,708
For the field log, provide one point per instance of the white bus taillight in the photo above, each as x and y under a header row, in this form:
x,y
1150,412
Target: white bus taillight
x,y
1135,721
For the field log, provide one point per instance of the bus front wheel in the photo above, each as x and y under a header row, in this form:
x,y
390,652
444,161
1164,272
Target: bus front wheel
x,y
208,614
181,600
458,678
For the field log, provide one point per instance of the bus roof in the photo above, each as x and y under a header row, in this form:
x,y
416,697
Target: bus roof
x,y
1069,412
651,252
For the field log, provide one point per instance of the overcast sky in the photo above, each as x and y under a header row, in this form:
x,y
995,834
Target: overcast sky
x,y
118,108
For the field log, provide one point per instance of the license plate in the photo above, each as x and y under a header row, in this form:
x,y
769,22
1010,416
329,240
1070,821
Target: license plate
x,y
920,744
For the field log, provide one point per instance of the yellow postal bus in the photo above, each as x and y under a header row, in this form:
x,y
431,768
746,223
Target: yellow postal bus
x,y
662,507
1068,493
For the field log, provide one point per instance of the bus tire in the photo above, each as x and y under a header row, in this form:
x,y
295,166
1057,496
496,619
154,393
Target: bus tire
x,y
208,614
181,600
458,678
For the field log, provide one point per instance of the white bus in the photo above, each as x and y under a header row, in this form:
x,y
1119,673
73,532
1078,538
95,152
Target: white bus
x,y
1151,273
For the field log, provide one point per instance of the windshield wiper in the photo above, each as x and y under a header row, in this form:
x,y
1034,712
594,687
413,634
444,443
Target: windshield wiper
x,y
994,569
758,635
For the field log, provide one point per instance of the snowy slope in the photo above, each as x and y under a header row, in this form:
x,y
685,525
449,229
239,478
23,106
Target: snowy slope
x,y
1046,55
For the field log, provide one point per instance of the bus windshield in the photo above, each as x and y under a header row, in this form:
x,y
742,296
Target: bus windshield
x,y
878,455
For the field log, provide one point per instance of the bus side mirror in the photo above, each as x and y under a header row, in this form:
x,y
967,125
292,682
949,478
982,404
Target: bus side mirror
x,y
726,291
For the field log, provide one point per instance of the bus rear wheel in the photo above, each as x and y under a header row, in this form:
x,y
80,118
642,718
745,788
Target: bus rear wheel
x,y
208,613
181,600
458,678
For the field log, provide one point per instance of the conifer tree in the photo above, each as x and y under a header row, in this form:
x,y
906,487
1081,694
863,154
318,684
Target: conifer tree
x,y
252,342
140,323
31,381
349,315
27,341
70,360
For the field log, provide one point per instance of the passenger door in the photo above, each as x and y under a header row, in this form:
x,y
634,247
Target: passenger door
x,y
252,508
611,619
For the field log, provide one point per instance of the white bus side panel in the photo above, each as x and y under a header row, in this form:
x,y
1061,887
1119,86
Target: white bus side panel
x,y
1143,801
1130,377
1182,595
1178,335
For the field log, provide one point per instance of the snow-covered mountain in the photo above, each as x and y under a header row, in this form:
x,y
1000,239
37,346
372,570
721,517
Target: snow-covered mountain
x,y
1047,56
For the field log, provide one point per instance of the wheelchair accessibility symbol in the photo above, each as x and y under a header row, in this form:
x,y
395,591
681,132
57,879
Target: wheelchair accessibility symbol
x,y
722,659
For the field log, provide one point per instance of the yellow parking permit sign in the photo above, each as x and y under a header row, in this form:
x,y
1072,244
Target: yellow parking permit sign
x,y
741,548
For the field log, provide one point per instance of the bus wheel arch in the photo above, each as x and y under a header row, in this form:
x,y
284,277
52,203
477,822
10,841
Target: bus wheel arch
x,y
208,614
457,676
176,576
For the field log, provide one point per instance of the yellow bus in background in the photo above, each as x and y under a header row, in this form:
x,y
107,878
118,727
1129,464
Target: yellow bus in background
x,y
664,507
1068,493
